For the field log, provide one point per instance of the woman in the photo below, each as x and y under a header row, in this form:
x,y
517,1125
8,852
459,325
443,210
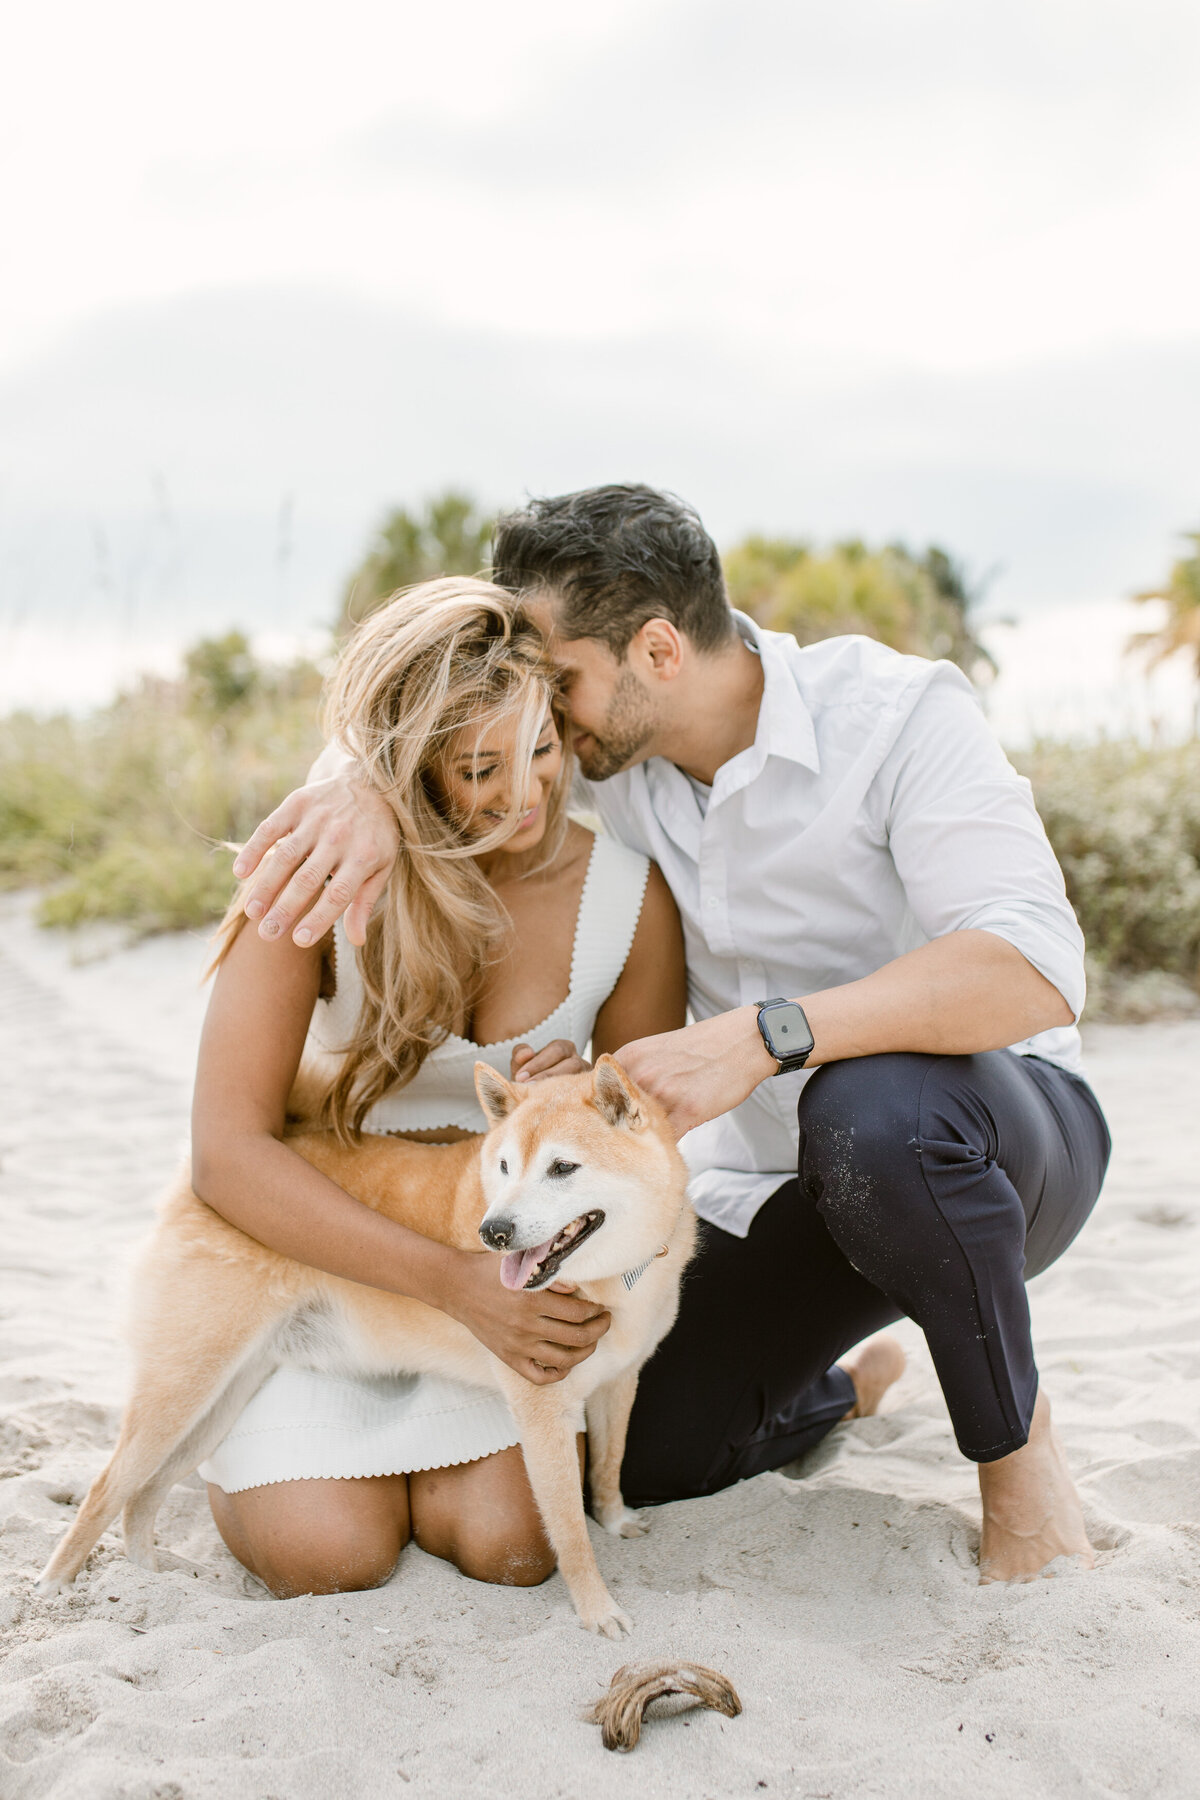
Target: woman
x,y
502,911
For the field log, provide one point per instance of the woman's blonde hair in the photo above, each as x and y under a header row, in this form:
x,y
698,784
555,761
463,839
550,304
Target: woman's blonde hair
x,y
434,659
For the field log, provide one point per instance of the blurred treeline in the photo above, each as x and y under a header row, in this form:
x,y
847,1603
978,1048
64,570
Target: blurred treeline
x,y
921,603
122,815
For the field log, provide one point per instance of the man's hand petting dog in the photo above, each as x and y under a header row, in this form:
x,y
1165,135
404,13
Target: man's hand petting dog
x,y
703,1070
542,1335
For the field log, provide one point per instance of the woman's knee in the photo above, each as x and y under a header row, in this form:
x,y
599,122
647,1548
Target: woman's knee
x,y
506,1545
295,1545
483,1518
332,1564
514,1558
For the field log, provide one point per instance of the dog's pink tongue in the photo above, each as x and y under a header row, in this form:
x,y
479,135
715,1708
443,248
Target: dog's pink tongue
x,y
518,1265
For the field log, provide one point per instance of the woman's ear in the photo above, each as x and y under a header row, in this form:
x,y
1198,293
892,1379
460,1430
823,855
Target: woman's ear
x,y
496,1096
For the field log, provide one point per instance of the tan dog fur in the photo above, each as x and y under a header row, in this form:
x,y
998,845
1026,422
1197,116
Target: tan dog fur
x,y
215,1312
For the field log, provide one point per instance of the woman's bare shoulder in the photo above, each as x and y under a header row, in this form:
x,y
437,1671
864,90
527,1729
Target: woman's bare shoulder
x,y
573,854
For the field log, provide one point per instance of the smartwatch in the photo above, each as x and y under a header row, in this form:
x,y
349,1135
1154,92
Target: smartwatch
x,y
786,1033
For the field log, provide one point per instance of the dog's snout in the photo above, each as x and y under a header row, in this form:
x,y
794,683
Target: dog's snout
x,y
497,1234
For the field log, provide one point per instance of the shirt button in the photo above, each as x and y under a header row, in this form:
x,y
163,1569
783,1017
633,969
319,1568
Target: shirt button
x,y
710,903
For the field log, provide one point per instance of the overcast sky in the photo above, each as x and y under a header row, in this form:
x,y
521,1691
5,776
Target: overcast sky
x,y
918,268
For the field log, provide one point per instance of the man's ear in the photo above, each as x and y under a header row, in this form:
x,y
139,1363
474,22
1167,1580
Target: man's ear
x,y
496,1096
615,1097
661,648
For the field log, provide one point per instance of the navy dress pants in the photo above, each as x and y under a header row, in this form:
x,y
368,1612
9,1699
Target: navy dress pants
x,y
932,1186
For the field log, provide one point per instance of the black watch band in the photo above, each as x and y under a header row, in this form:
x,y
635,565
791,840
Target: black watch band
x,y
786,1032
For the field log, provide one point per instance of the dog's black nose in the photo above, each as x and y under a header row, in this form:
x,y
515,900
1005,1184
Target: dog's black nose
x,y
497,1235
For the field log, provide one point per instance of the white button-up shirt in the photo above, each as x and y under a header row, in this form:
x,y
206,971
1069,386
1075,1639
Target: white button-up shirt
x,y
873,812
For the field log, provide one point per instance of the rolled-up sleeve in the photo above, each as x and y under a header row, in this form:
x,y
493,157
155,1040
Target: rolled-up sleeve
x,y
966,839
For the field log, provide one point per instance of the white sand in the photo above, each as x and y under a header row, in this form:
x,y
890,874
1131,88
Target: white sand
x,y
843,1604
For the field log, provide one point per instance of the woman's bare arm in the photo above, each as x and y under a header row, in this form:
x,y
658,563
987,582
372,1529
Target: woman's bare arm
x,y
250,1050
653,983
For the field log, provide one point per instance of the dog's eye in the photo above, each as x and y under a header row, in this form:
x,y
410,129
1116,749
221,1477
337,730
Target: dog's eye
x,y
503,1166
558,1168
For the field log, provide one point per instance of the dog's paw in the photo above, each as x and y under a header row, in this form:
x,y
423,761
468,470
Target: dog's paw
x,y
612,1624
623,1522
600,1612
47,1586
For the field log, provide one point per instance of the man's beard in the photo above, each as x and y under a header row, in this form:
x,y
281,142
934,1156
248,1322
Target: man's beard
x,y
628,727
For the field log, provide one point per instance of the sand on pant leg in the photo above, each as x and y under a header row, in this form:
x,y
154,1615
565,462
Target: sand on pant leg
x,y
842,1603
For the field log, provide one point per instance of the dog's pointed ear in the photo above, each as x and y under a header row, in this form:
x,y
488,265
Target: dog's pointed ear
x,y
615,1097
496,1096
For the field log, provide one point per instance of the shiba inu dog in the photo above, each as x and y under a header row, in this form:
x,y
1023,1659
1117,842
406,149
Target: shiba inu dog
x,y
577,1174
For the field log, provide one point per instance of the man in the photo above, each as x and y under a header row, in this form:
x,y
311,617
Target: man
x,y
881,1089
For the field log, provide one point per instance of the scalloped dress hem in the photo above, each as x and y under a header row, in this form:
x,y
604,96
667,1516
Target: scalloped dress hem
x,y
305,1425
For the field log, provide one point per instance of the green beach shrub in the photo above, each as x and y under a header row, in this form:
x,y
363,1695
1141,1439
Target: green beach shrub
x,y
1124,820
120,815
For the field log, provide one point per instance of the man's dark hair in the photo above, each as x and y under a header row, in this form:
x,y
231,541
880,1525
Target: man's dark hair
x,y
615,557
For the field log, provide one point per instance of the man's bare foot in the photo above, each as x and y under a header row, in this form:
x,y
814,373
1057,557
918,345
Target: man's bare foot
x,y
873,1368
1031,1511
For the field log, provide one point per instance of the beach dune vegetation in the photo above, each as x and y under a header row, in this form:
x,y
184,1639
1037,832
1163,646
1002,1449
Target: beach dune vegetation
x,y
121,814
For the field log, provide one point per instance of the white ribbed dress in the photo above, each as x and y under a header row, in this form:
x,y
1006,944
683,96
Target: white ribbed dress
x,y
305,1423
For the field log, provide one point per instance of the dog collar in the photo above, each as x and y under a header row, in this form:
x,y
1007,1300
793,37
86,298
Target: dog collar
x,y
631,1277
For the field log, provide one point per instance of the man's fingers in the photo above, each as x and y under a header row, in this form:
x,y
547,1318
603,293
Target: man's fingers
x,y
275,826
354,836
302,892
338,889
358,913
274,875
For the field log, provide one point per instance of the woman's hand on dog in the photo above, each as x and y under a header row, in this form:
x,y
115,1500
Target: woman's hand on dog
x,y
542,1335
558,1058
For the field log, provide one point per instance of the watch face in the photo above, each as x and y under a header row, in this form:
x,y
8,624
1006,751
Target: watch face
x,y
788,1030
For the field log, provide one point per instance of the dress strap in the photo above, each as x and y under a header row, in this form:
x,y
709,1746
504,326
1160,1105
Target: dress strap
x,y
609,909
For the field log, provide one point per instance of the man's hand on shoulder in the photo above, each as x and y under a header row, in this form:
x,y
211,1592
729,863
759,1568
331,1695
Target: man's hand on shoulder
x,y
332,846
702,1071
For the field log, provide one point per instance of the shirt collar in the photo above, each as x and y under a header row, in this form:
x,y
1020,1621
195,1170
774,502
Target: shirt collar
x,y
785,726
784,729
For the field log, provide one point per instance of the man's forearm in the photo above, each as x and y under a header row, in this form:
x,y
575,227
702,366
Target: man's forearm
x,y
968,991
965,992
